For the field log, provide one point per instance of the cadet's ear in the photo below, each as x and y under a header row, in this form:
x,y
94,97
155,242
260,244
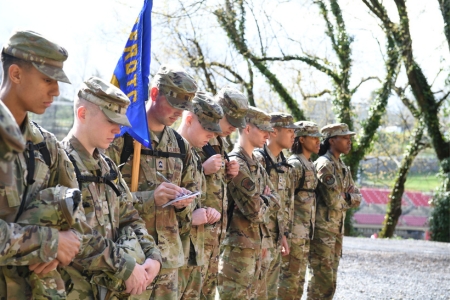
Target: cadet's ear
x,y
81,114
274,133
154,92
15,73
247,128
188,120
332,141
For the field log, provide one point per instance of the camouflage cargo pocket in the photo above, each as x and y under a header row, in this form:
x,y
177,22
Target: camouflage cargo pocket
x,y
129,242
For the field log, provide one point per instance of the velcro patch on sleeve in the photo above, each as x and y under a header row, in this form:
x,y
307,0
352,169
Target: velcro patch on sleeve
x,y
248,184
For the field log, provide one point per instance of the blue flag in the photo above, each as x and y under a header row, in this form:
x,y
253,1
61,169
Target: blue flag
x,y
132,73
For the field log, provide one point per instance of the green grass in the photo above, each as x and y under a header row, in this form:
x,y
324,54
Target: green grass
x,y
415,182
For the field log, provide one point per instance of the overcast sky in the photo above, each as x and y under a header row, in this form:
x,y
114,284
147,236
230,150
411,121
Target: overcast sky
x,y
94,32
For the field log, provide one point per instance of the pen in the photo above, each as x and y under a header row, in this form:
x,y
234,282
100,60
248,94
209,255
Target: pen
x,y
162,176
167,180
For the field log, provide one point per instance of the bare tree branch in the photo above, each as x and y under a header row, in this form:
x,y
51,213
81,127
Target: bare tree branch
x,y
309,61
200,62
308,96
440,101
407,102
364,80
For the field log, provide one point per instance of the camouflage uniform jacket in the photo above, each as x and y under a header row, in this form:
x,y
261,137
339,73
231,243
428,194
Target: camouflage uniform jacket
x,y
251,209
105,214
162,223
334,178
22,246
193,237
281,184
216,196
304,202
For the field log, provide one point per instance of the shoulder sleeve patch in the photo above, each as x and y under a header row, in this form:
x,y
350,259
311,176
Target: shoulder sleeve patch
x,y
248,184
329,179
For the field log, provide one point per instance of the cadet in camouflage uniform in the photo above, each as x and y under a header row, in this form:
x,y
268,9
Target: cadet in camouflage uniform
x,y
252,200
11,143
336,194
32,67
302,210
198,127
218,172
272,159
172,92
107,202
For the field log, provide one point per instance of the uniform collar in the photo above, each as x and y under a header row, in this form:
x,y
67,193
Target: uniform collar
x,y
31,132
91,162
332,157
250,159
303,158
274,159
164,140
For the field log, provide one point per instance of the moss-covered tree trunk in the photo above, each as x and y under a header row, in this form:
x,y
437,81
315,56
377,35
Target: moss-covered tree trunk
x,y
394,207
427,104
440,216
445,10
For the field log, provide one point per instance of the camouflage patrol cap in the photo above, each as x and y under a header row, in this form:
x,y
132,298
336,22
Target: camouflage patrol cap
x,y
208,112
46,56
279,119
336,129
177,85
307,128
111,100
234,105
11,142
259,118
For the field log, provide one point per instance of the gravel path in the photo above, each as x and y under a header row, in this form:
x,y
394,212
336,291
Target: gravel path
x,y
393,269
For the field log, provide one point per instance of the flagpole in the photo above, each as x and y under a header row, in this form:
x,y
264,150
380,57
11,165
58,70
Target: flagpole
x,y
136,164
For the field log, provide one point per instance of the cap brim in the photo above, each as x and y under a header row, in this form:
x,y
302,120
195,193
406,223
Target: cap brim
x,y
236,122
291,126
52,72
115,117
318,134
347,133
265,128
210,126
179,104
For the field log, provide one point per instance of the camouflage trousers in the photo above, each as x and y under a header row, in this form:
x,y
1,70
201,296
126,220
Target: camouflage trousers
x,y
166,285
189,282
210,270
325,253
241,275
270,266
293,269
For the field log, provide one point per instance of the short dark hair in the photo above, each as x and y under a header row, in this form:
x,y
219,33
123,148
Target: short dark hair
x,y
8,60
297,146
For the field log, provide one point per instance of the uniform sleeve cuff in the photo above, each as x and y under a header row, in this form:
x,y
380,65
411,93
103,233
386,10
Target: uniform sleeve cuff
x,y
125,272
155,255
49,243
